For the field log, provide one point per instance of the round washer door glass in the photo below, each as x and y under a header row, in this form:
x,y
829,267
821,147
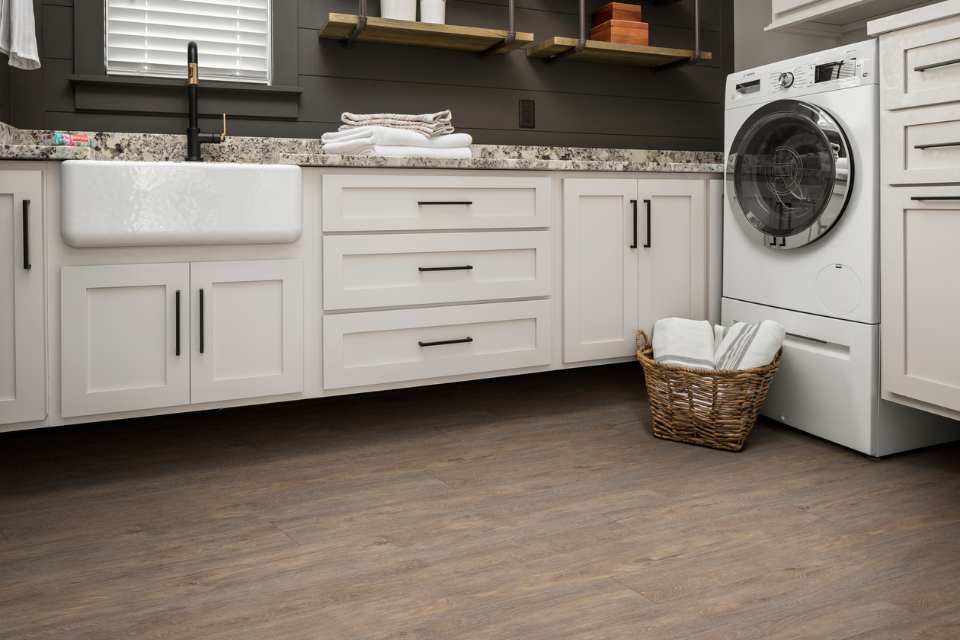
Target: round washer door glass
x,y
789,173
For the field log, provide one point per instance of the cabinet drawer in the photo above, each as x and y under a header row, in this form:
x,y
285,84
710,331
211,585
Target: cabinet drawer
x,y
921,65
411,269
921,145
412,344
411,203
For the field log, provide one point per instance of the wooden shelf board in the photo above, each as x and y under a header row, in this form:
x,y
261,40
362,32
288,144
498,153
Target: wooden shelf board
x,y
441,36
612,52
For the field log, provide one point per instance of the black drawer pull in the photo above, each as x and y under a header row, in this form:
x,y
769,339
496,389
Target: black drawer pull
x,y
937,65
437,343
465,267
428,203
940,198
201,321
649,205
633,203
936,145
26,235
176,323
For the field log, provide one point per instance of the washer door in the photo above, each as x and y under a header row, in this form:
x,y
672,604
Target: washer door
x,y
789,173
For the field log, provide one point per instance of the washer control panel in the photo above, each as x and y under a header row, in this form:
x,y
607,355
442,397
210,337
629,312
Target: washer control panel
x,y
839,68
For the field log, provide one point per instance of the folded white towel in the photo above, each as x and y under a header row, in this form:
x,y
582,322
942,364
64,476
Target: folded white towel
x,y
18,35
746,346
362,149
388,136
429,124
687,343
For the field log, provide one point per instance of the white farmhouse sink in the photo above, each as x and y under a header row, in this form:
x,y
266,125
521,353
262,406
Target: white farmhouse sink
x,y
122,204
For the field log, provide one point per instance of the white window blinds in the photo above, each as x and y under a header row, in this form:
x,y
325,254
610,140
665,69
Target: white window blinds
x,y
149,38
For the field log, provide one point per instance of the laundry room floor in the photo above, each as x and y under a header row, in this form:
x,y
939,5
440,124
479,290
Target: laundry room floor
x,y
530,507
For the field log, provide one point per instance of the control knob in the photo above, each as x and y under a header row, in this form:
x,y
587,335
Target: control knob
x,y
786,80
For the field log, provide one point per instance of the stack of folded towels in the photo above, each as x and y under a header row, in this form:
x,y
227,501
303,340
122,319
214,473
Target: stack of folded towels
x,y
697,344
398,135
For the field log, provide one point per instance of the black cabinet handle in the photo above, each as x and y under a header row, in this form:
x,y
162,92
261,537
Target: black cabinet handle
x,y
465,267
201,321
437,343
427,203
26,235
649,243
941,198
936,145
634,204
176,323
937,65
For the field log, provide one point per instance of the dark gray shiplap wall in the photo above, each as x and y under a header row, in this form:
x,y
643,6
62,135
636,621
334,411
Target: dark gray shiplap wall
x,y
577,103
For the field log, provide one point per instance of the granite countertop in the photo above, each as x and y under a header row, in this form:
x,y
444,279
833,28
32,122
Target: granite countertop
x,y
29,144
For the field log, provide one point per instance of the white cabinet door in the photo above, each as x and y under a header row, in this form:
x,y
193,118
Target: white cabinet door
x,y
673,251
21,297
920,294
600,258
247,329
124,338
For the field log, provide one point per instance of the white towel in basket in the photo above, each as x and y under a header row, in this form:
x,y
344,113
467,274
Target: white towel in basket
x,y
746,346
682,342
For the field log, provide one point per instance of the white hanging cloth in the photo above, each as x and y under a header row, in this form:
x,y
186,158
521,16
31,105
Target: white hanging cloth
x,y
18,34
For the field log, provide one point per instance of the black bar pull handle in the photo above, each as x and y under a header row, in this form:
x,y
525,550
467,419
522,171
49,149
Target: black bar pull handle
x,y
201,321
428,203
936,145
649,205
937,65
437,343
176,322
465,267
935,198
634,204
26,235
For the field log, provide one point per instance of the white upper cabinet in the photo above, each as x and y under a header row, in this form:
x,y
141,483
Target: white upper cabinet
x,y
124,341
248,329
22,383
634,252
821,15
601,240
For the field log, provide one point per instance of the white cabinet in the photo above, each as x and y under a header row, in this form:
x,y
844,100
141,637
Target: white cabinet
x,y
634,252
124,344
921,296
140,336
248,329
21,297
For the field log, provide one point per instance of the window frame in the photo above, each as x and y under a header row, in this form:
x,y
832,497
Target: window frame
x,y
268,81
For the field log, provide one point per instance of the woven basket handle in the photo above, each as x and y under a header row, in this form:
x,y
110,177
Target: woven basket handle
x,y
642,340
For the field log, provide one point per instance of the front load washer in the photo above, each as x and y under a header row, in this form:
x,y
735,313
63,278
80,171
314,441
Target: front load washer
x,y
801,244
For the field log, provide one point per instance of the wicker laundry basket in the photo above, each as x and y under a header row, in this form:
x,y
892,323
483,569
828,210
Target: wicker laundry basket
x,y
708,408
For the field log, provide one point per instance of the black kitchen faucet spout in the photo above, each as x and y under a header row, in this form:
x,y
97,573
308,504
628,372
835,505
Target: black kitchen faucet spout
x,y
195,137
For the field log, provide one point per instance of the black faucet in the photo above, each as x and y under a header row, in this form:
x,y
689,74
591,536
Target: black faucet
x,y
195,137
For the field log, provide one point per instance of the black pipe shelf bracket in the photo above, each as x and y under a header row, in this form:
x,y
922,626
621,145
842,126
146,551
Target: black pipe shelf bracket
x,y
657,58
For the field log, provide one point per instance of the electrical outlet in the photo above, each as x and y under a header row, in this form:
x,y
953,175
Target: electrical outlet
x,y
528,114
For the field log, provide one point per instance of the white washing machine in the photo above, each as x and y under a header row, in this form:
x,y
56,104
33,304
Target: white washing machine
x,y
801,243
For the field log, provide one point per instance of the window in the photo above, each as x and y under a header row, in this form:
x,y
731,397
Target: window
x,y
149,38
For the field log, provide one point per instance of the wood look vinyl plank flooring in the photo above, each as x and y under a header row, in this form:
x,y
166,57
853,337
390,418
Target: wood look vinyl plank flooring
x,y
520,508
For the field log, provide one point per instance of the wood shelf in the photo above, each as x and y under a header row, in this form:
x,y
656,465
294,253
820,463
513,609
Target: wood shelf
x,y
339,26
612,52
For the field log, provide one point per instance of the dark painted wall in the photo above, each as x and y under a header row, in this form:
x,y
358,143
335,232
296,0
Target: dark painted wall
x,y
576,103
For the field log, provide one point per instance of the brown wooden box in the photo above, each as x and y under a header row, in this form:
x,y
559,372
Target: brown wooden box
x,y
616,11
622,31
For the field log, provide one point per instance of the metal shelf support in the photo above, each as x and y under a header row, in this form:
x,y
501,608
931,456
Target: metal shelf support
x,y
511,30
361,24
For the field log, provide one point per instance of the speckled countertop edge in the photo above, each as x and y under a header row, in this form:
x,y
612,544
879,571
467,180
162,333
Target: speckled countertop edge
x,y
28,144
